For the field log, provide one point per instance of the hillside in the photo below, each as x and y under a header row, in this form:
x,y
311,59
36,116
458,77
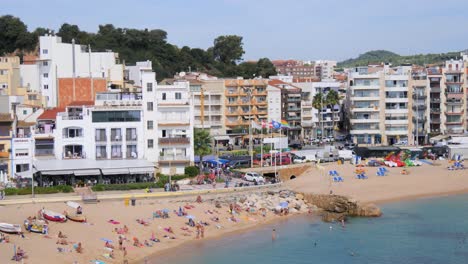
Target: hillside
x,y
378,56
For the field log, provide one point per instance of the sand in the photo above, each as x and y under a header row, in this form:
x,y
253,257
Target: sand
x,y
426,180
43,250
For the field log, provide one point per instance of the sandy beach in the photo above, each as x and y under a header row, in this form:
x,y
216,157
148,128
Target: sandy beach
x,y
427,180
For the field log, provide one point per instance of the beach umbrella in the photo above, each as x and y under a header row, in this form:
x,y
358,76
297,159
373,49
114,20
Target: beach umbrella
x,y
190,217
106,240
284,204
165,210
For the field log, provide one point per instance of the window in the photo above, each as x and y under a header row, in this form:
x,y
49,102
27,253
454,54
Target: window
x,y
164,133
45,63
3,72
72,132
116,134
149,125
22,167
46,86
149,106
132,152
178,96
150,143
131,134
116,151
101,152
116,116
25,112
149,87
100,135
21,153
46,75
45,51
164,96
32,97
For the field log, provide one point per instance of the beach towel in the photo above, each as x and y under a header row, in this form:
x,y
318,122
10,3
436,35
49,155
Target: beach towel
x,y
97,262
107,255
113,222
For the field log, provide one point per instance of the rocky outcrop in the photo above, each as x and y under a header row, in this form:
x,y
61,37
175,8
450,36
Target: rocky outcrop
x,y
337,207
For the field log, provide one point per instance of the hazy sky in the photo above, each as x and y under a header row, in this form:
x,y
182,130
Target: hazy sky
x,y
299,29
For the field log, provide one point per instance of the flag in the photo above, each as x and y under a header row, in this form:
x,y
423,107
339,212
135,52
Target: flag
x,y
275,124
256,126
285,124
263,124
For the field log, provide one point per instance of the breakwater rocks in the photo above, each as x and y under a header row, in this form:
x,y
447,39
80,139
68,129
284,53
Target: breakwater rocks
x,y
337,207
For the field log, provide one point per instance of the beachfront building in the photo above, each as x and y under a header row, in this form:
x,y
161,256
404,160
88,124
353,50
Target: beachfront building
x,y
97,142
69,60
454,98
6,122
291,97
294,68
329,116
366,99
245,100
419,103
324,69
174,122
9,75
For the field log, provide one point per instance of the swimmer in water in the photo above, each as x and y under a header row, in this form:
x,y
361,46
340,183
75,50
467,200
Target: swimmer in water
x,y
273,235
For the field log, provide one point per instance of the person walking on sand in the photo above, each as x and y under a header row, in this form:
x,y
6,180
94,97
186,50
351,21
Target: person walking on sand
x,y
273,235
202,231
198,231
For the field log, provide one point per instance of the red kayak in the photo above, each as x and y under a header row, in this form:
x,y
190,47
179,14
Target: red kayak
x,y
53,216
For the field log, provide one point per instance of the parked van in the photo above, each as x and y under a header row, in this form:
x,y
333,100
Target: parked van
x,y
239,164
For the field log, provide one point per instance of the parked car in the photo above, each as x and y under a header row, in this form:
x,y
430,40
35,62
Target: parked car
x,y
349,145
254,177
297,158
239,163
401,143
295,145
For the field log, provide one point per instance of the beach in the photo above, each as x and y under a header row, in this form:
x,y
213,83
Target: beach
x,y
427,180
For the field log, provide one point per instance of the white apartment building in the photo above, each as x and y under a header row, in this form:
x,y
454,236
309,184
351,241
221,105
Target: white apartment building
x,y
213,98
325,69
22,156
274,103
66,60
168,118
175,120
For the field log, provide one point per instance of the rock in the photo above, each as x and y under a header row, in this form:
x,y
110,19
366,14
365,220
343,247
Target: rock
x,y
271,192
299,196
332,217
369,210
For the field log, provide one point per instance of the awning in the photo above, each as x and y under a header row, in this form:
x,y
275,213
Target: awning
x,y
143,170
57,172
87,172
115,171
292,113
218,138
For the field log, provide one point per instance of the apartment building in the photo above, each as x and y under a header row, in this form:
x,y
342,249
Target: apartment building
x,y
324,69
175,123
9,75
6,122
212,90
245,100
294,68
419,103
68,60
454,95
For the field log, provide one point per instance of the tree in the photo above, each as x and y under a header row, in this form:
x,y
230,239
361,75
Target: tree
x,y
202,143
14,35
265,68
228,49
318,102
332,99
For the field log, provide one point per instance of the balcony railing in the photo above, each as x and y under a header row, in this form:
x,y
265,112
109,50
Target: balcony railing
x,y
116,155
459,112
130,138
169,157
435,110
174,141
420,119
44,152
116,139
419,107
435,120
132,154
100,139
101,155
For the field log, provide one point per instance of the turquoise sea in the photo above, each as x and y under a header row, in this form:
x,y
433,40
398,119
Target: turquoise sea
x,y
429,230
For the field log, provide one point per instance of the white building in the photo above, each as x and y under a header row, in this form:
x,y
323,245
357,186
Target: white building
x,y
169,119
22,150
175,143
325,68
274,103
65,60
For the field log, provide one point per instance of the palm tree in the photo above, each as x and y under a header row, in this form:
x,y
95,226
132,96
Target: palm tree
x,y
318,103
202,144
332,99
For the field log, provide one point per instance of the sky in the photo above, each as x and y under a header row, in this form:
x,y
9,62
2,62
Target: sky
x,y
292,29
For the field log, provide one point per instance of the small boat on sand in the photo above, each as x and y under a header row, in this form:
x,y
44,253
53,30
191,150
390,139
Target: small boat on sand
x,y
36,226
76,217
53,216
10,228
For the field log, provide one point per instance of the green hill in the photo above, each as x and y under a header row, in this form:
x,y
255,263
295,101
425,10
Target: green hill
x,y
378,56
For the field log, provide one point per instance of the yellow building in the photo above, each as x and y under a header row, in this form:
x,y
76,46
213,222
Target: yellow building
x,y
5,144
9,75
245,99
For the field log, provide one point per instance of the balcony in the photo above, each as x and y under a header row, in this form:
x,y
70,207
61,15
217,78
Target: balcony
x,y
363,120
420,119
293,99
460,122
454,102
419,107
456,112
174,141
116,155
293,118
169,158
419,96
130,138
365,109
101,155
231,93
435,90
180,122
435,100
306,105
4,154
131,154
294,109
435,120
365,131
115,138
435,110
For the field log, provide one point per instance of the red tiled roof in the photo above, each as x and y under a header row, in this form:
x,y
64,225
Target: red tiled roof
x,y
50,114
81,103
278,83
